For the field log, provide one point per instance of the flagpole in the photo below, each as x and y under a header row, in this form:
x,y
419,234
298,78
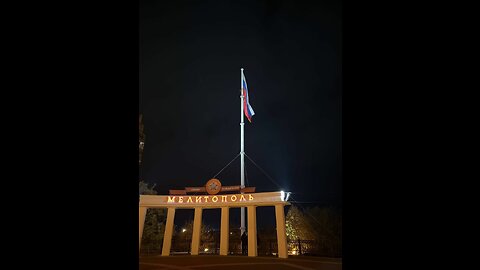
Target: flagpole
x,y
242,152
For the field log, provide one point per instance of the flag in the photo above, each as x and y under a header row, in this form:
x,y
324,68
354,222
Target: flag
x,y
248,110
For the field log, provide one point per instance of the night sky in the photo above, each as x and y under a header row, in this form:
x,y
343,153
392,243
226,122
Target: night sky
x,y
191,53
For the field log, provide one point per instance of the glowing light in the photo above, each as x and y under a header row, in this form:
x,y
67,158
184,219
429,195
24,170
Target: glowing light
x,y
206,249
288,195
282,196
294,252
231,233
184,230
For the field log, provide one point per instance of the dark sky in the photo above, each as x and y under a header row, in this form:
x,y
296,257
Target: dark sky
x,y
191,53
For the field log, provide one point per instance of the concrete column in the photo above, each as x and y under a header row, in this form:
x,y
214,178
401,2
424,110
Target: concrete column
x,y
167,237
142,212
224,231
197,226
281,232
252,231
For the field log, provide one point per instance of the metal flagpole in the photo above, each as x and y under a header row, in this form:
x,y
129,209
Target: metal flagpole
x,y
242,152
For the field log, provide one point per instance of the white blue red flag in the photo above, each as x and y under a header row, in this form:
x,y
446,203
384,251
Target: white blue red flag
x,y
246,104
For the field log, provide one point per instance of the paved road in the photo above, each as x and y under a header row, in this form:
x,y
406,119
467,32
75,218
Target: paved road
x,y
206,262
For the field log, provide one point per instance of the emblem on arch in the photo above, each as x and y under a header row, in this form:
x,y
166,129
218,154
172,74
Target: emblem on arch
x,y
213,186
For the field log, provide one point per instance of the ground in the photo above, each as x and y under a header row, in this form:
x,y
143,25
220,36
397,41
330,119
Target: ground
x,y
206,262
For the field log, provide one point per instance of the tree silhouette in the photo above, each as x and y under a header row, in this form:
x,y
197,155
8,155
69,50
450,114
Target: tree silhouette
x,y
154,227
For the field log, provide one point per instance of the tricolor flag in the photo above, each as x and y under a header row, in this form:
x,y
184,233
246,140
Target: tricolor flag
x,y
246,104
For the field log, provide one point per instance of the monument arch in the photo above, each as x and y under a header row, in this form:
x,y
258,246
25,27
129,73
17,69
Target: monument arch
x,y
214,195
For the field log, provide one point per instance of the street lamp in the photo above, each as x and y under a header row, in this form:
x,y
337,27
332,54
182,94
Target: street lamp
x,y
186,242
